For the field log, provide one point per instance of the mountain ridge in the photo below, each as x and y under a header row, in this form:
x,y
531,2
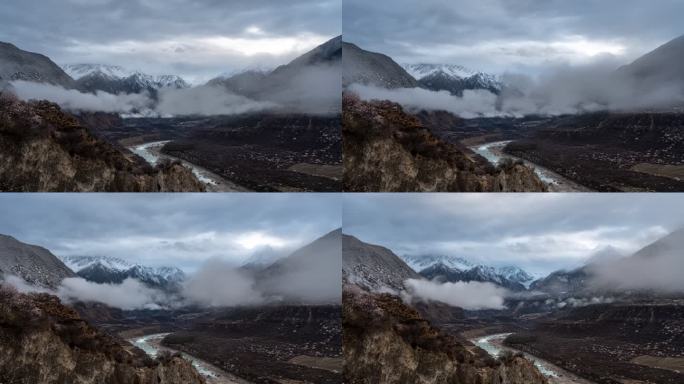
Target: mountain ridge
x,y
35,264
17,64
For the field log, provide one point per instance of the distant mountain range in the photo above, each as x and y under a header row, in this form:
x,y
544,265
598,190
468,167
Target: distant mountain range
x,y
453,78
579,281
112,270
375,268
303,84
659,69
372,68
454,268
116,79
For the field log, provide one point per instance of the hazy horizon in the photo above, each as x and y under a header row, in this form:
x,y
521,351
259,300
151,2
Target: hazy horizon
x,y
495,36
539,233
184,231
196,40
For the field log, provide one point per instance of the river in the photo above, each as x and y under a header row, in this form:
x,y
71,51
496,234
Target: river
x,y
493,344
151,152
493,152
151,344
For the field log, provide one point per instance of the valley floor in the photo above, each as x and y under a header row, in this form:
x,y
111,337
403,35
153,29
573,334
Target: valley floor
x,y
493,344
493,152
151,344
151,152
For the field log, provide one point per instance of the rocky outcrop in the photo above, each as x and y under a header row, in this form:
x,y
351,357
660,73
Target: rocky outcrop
x,y
43,149
385,341
45,342
388,150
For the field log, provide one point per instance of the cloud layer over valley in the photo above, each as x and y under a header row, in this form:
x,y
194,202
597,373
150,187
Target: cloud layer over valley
x,y
196,40
568,90
202,100
467,295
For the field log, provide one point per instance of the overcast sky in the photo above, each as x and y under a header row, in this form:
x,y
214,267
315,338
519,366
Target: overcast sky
x,y
538,232
197,39
518,36
165,229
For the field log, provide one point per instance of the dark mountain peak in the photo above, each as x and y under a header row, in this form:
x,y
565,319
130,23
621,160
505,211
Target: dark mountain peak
x,y
326,53
309,274
659,67
17,64
372,68
373,267
32,263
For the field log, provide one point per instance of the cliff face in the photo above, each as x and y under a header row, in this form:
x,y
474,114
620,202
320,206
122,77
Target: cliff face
x,y
44,342
387,150
43,149
385,341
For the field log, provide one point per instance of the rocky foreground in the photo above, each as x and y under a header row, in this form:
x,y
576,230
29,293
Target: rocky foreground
x,y
43,149
45,342
388,150
386,341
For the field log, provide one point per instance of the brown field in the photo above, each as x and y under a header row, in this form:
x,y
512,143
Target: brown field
x,y
672,363
672,171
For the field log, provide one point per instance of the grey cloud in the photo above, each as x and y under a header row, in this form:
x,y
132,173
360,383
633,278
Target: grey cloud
x,y
660,272
67,30
207,101
565,90
72,99
219,284
538,232
500,35
471,295
144,228
130,294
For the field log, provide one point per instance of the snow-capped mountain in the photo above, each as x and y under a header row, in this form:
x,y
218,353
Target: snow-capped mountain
x,y
103,269
514,273
504,277
452,78
116,79
454,268
420,262
77,71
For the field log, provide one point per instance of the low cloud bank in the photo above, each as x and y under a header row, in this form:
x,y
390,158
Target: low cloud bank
x,y
311,275
467,295
130,294
315,90
74,100
206,101
660,273
564,91
473,104
218,284
203,100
